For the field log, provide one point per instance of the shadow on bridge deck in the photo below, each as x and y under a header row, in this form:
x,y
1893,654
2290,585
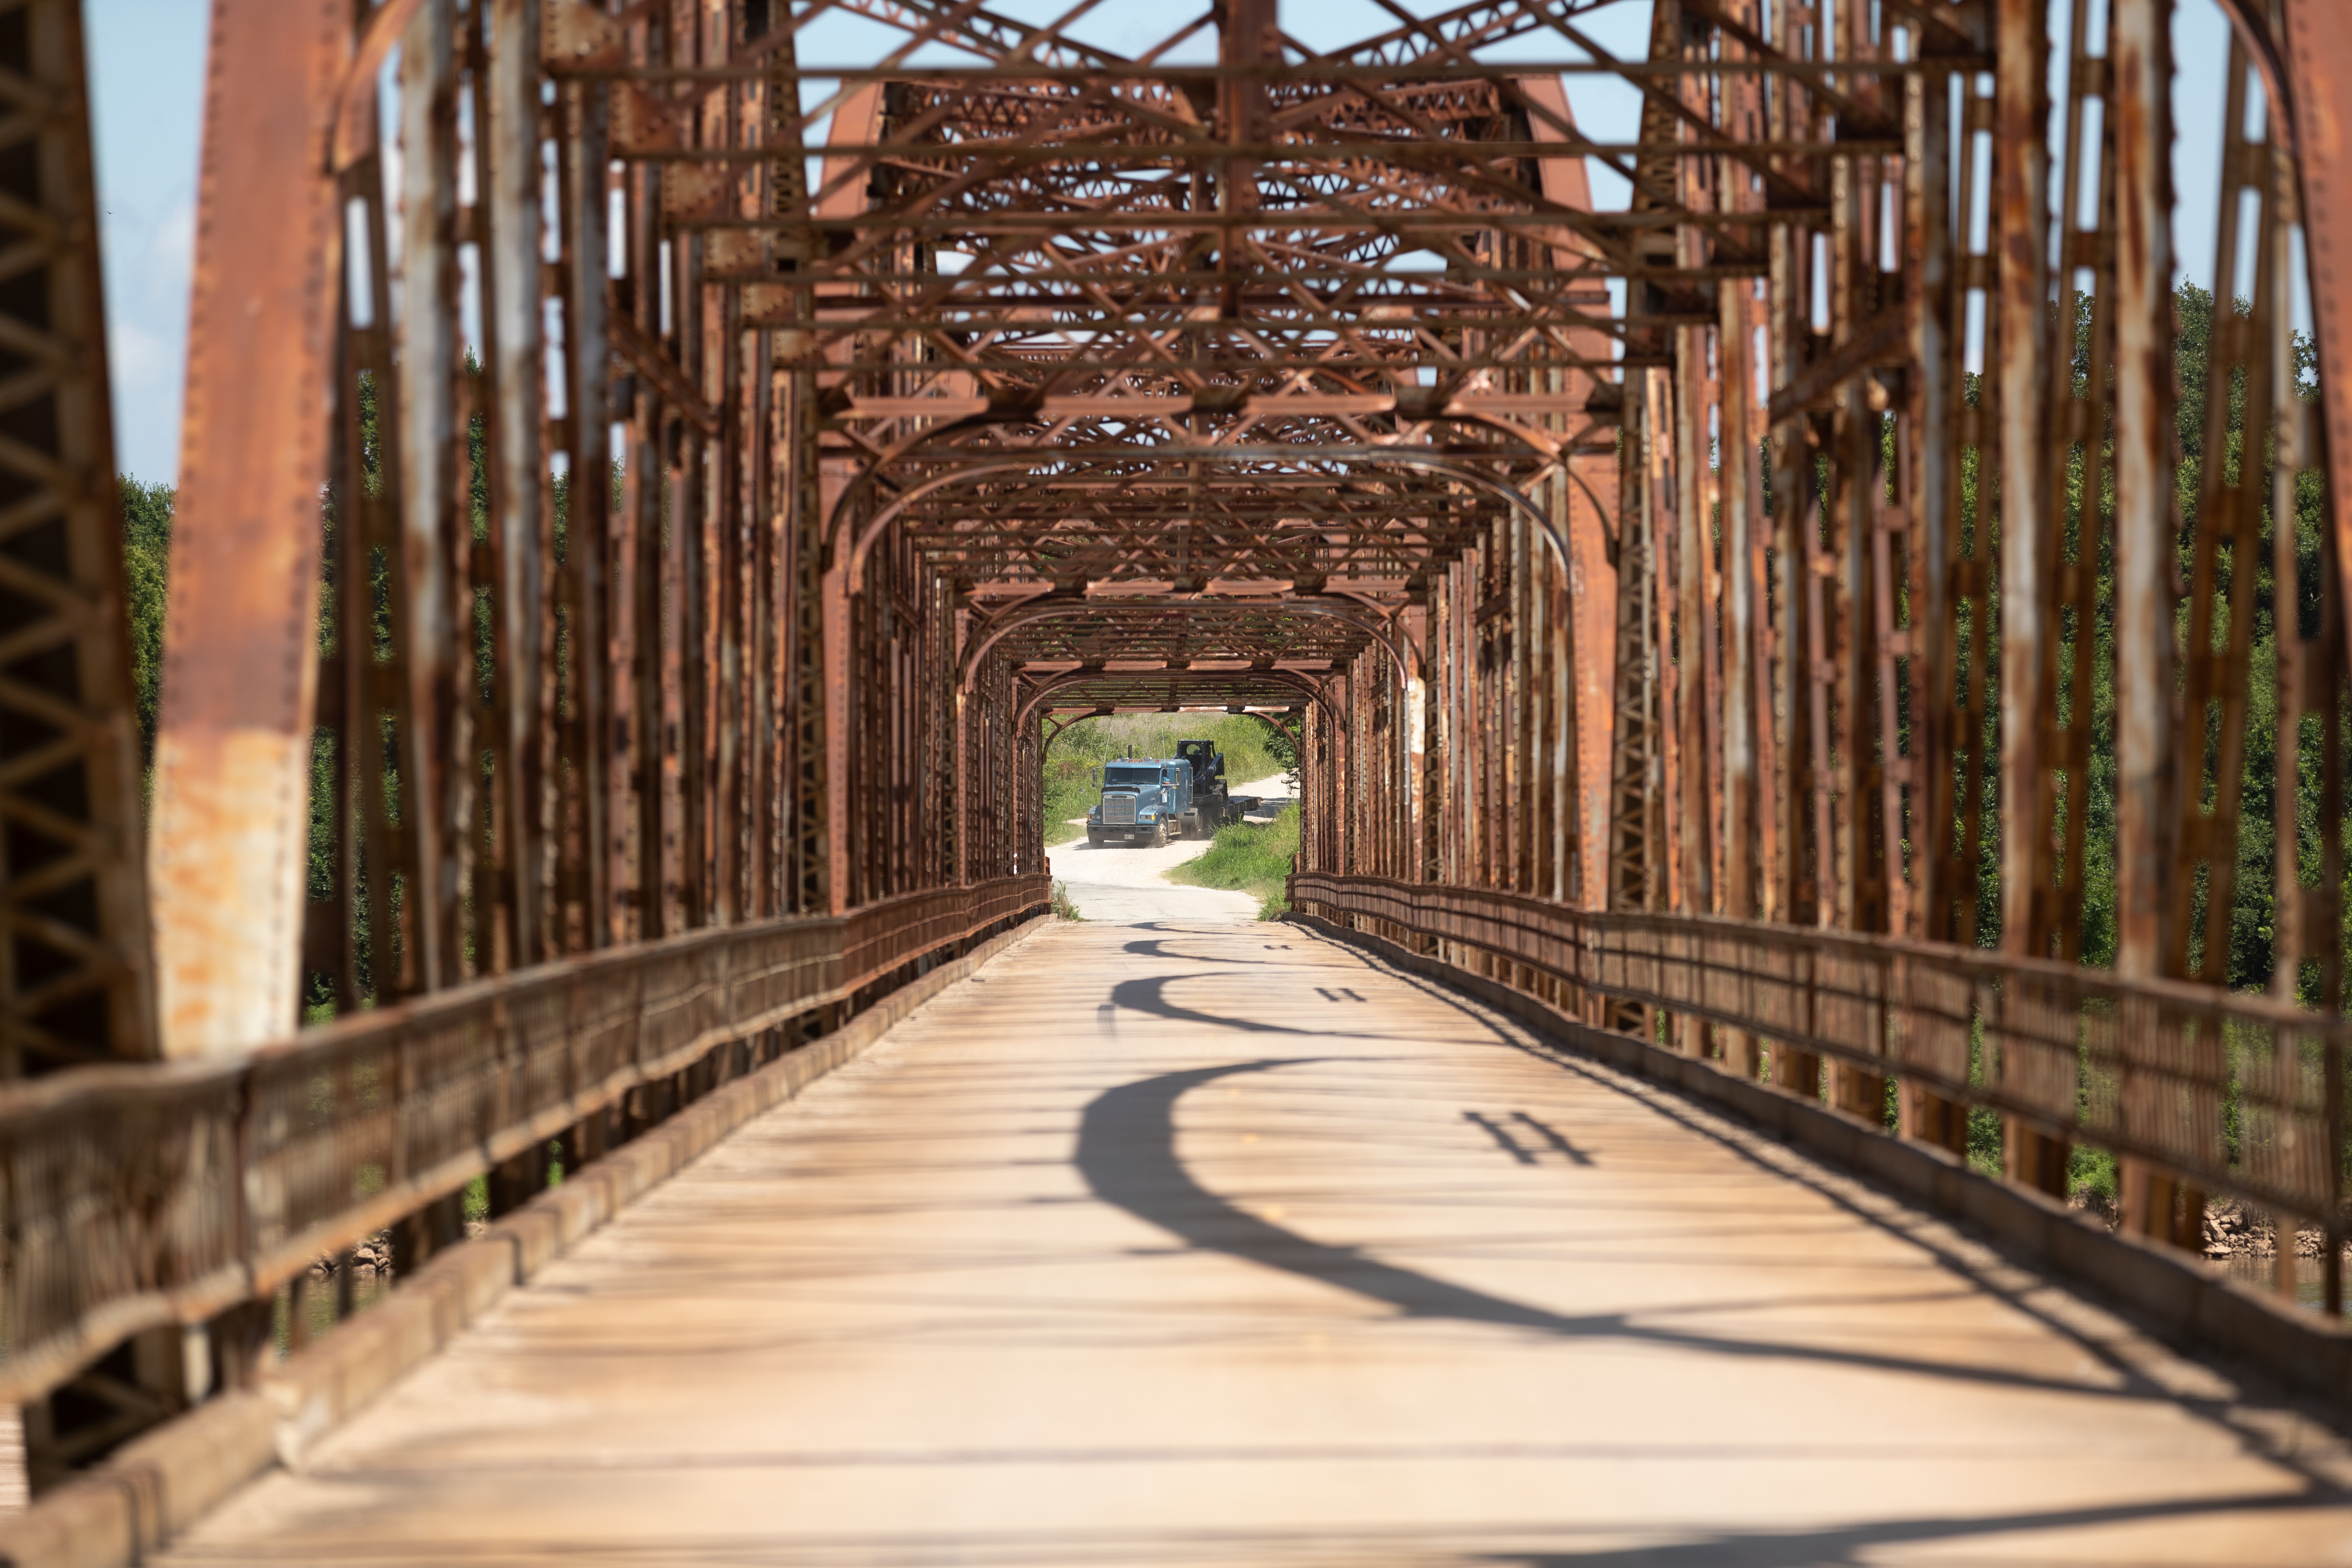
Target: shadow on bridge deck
x,y
1191,1243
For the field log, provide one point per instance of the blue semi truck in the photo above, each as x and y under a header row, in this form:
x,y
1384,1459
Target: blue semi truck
x,y
1149,800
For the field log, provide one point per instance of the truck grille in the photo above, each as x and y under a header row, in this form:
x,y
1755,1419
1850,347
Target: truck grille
x,y
1119,811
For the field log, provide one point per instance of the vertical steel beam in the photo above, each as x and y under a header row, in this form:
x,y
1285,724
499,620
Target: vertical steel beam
x,y
1664,480
1947,725
2146,767
1956,513
229,838
422,589
2076,539
589,560
2216,658
2022,111
1931,423
831,668
510,272
2023,208
1743,717
2311,675
2319,43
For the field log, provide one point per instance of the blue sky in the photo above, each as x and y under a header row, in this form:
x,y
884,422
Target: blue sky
x,y
147,64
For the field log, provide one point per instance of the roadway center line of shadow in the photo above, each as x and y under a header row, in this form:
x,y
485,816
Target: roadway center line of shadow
x,y
1125,1152
1149,994
1855,1546
1157,947
1897,1219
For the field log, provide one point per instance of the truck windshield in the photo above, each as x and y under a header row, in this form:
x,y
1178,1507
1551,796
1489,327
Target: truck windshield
x,y
1145,777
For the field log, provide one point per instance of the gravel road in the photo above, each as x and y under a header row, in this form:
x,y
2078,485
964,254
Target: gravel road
x,y
1124,886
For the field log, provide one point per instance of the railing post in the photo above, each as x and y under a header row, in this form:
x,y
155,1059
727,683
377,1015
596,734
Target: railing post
x,y
514,1181
2331,1240
1799,1073
1856,1090
2147,520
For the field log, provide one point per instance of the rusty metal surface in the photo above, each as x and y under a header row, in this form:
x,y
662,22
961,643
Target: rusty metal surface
x,y
1230,483
228,834
810,618
2318,39
2149,785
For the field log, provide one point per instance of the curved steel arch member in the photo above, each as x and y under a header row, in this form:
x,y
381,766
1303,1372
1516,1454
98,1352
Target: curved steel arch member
x,y
1312,691
1427,462
1459,469
1066,725
1351,614
1272,724
898,504
925,443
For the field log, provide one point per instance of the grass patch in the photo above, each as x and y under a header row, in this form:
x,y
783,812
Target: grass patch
x,y
1250,856
1090,742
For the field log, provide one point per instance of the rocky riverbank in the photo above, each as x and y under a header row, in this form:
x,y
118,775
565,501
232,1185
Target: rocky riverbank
x,y
2233,1230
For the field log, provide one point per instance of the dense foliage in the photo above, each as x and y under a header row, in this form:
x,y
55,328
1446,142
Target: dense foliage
x,y
1254,858
146,563
2248,961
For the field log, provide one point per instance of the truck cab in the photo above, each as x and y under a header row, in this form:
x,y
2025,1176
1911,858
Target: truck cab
x,y
1145,800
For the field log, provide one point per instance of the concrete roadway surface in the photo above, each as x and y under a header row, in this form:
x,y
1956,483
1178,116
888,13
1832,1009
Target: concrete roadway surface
x,y
1187,1242
1115,882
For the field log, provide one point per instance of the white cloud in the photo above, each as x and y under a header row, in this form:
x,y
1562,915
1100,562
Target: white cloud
x,y
170,257
140,360
149,260
147,79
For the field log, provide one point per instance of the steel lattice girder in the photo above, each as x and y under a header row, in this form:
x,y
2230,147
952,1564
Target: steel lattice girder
x,y
75,979
1180,632
1291,324
1050,312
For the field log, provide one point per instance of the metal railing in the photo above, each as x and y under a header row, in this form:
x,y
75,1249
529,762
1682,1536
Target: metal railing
x,y
2223,1091
137,1196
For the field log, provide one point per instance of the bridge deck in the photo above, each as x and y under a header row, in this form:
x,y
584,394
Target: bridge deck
x,y
1195,1243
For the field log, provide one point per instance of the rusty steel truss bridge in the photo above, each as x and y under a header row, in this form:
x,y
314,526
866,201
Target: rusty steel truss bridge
x,y
654,486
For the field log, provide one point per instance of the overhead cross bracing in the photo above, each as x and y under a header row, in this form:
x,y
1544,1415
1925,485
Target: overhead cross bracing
x,y
992,368
1198,368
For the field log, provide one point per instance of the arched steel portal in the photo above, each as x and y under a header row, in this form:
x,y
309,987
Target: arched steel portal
x,y
1076,452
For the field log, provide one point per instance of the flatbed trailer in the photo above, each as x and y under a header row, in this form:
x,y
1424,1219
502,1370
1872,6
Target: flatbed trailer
x,y
1214,806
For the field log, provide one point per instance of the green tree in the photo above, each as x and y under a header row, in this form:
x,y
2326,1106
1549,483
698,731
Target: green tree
x,y
146,568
